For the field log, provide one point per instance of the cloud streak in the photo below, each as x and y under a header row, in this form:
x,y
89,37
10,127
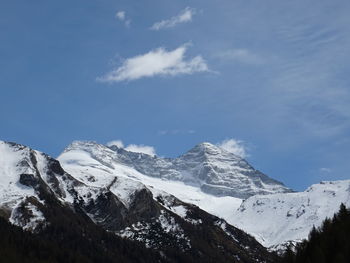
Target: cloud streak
x,y
314,95
244,56
184,16
157,62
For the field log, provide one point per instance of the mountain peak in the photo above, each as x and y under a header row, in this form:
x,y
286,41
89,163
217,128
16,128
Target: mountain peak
x,y
81,144
91,147
211,152
205,148
213,169
206,145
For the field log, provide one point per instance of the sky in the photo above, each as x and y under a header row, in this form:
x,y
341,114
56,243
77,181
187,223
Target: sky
x,y
268,80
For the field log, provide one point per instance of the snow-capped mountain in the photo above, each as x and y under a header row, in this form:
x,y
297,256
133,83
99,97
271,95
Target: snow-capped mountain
x,y
36,191
285,218
189,176
147,198
212,169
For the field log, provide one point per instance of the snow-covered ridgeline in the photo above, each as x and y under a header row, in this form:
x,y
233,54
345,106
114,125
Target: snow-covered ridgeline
x,y
206,166
278,218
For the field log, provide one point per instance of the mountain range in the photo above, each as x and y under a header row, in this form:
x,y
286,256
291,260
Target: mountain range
x,y
206,204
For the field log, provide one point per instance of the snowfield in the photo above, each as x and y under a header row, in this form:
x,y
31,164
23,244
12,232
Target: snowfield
x,y
278,218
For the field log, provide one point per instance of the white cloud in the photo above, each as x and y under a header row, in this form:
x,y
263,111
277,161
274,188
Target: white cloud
x,y
234,146
117,143
120,15
141,149
133,147
183,17
241,55
156,62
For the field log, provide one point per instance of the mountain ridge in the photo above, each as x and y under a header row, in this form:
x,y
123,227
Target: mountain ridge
x,y
225,206
126,208
215,170
112,185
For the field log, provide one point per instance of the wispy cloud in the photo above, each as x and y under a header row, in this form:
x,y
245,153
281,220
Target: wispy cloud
x,y
176,132
156,62
150,150
325,170
184,16
121,16
313,94
234,146
241,55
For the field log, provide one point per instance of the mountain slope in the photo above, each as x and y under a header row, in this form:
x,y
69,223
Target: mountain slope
x,y
114,190
69,238
290,216
44,198
280,215
328,243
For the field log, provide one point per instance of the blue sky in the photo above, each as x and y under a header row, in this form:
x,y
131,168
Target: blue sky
x,y
272,75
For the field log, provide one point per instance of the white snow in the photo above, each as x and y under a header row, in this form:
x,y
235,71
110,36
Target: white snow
x,y
10,189
169,224
124,188
278,218
179,210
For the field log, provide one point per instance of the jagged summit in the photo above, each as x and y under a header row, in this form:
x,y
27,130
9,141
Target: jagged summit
x,y
209,151
207,166
206,147
82,145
